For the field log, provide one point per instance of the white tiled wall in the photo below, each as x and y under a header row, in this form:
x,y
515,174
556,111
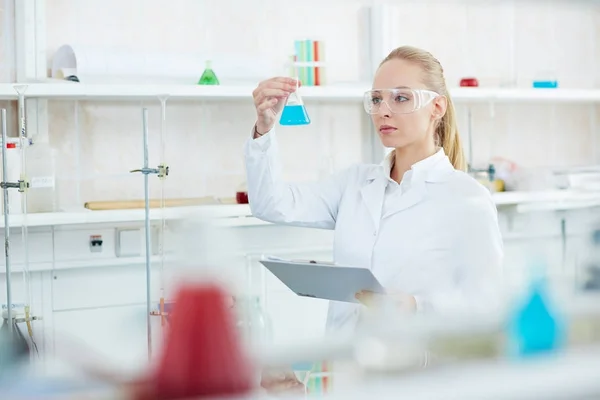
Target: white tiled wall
x,y
204,143
6,72
499,42
6,41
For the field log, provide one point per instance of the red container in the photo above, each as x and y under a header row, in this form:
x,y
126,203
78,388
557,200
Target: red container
x,y
241,197
469,82
203,355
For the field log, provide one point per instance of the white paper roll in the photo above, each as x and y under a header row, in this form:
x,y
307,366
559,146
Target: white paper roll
x,y
97,65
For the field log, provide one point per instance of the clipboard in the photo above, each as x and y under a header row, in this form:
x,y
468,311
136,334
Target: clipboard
x,y
323,280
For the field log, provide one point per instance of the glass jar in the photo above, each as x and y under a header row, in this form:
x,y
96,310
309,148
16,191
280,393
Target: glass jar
x,y
241,194
252,322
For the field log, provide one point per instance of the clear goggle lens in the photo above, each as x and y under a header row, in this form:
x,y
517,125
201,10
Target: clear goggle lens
x,y
398,101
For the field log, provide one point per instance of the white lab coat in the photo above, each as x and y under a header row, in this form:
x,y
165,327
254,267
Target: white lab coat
x,y
435,236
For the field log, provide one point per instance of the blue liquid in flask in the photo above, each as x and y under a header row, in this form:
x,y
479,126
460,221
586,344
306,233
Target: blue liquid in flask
x,y
294,115
294,112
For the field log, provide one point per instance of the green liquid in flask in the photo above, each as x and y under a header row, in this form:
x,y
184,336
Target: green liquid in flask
x,y
294,112
208,76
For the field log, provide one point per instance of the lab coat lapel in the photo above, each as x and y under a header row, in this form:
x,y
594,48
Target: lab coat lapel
x,y
413,196
373,194
437,173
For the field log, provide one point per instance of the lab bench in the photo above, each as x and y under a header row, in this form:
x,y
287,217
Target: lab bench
x,y
87,274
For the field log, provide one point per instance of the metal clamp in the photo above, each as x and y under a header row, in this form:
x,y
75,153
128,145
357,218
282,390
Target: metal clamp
x,y
20,185
162,171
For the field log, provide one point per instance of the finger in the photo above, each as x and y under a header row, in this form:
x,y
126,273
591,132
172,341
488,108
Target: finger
x,y
267,93
365,297
361,296
289,86
266,105
279,80
273,90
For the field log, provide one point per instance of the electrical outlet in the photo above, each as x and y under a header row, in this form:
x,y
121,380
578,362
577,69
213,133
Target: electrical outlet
x,y
96,243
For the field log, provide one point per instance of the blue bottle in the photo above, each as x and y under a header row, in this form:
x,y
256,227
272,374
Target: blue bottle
x,y
536,327
542,84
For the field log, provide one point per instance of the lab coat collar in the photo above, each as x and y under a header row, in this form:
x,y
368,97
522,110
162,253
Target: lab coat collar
x,y
436,168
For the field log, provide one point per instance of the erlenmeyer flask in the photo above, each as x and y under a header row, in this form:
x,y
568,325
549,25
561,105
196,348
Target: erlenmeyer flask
x,y
294,112
208,76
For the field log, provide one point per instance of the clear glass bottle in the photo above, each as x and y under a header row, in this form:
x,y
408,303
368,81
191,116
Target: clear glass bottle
x,y
253,323
40,170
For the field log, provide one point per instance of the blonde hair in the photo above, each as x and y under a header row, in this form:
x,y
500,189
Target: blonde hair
x,y
446,131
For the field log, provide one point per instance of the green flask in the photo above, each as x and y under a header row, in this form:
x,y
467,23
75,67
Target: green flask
x,y
208,76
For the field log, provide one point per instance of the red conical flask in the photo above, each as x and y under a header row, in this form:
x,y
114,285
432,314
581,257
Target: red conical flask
x,y
203,355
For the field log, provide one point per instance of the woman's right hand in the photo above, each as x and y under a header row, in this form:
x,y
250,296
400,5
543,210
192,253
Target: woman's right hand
x,y
269,99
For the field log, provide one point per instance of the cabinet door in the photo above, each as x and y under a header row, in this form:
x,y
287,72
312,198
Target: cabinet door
x,y
293,318
115,336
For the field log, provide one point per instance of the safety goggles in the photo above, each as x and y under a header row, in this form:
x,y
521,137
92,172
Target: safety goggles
x,y
398,101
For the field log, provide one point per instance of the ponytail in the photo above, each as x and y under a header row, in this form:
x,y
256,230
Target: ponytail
x,y
449,139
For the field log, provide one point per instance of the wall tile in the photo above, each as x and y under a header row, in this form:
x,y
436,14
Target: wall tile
x,y
204,141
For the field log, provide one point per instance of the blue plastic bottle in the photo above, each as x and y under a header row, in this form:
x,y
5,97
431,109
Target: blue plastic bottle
x,y
536,327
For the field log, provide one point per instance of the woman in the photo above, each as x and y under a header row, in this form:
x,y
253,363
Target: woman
x,y
427,230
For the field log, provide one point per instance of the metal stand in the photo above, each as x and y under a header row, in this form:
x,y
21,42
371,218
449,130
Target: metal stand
x,y
470,136
21,186
162,171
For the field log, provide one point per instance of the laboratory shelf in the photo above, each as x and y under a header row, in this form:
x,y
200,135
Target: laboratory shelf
x,y
338,93
80,91
239,215
556,198
86,216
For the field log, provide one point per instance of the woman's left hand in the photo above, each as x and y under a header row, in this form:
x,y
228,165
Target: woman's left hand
x,y
281,382
404,302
